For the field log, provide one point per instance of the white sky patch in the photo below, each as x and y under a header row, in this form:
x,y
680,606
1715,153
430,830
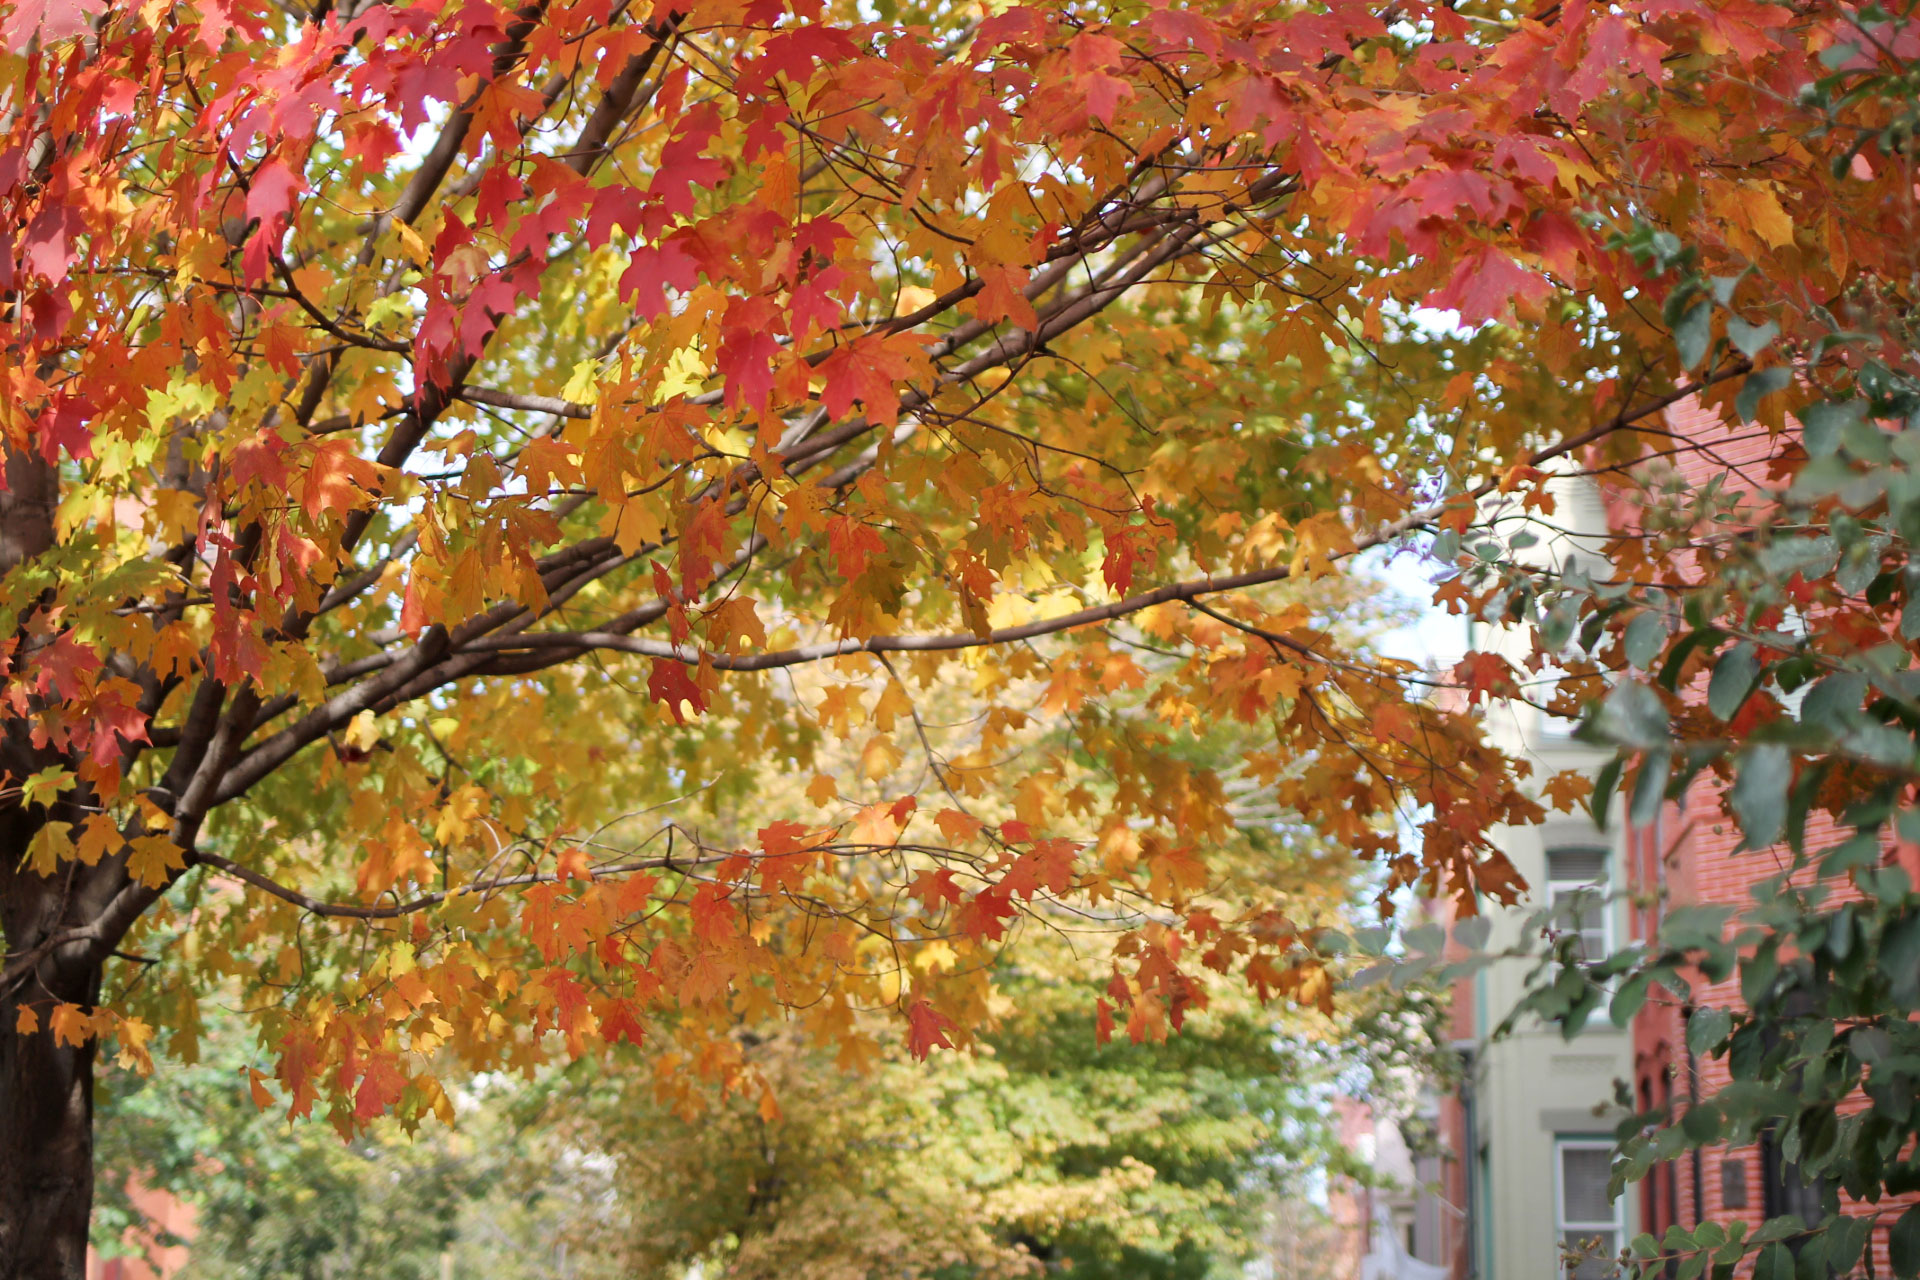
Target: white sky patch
x,y
1434,637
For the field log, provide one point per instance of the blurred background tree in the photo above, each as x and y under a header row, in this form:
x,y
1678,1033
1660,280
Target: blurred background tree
x,y
1044,1150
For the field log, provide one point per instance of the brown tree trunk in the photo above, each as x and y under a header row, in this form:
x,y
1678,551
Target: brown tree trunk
x,y
46,1088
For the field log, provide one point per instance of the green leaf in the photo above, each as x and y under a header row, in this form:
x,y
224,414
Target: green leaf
x,y
1812,1262
1835,56
1472,932
46,785
1707,1028
1845,1238
1633,716
1646,637
1373,939
1701,1123
1650,787
1693,334
1859,852
1773,1263
1759,794
1704,637
1900,959
1628,999
1556,628
1733,679
1752,339
1834,702
1605,783
1903,1245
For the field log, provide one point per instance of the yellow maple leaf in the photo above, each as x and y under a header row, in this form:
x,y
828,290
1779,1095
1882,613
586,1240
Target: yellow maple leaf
x,y
879,758
893,702
839,709
1566,789
70,1025
27,1022
152,860
51,846
734,626
413,243
99,836
134,1035
362,732
1765,215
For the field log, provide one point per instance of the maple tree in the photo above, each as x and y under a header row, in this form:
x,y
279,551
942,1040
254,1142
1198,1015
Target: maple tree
x,y
436,436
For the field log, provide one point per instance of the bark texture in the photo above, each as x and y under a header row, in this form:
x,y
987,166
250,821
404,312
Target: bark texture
x,y
46,1088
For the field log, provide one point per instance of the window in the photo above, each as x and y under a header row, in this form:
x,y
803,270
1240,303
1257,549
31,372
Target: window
x,y
1576,891
1589,1223
1733,1183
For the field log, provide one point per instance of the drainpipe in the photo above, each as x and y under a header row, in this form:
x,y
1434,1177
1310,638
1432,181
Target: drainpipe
x,y
1693,1100
1470,1121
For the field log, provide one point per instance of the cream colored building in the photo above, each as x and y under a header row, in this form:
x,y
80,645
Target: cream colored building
x,y
1540,1108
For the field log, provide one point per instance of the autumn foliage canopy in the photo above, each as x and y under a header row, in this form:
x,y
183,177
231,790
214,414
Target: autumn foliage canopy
x,y
443,438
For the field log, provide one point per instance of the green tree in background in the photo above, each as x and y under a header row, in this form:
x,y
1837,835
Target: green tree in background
x,y
1043,1151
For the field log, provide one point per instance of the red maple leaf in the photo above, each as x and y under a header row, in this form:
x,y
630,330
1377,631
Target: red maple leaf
x,y
49,247
984,916
927,1029
852,542
932,887
670,685
66,424
650,271
379,1089
1093,56
1485,286
1485,675
713,915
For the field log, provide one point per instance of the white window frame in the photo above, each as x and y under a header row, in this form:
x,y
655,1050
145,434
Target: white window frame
x,y
1600,889
1562,1228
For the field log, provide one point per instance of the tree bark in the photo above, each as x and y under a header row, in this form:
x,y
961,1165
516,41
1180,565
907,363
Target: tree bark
x,y
46,1087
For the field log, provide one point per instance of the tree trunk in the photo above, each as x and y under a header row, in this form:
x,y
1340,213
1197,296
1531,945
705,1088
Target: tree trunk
x,y
46,1088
